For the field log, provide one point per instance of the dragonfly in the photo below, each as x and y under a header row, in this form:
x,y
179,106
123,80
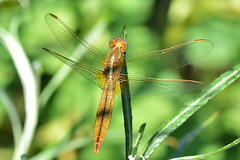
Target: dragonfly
x,y
105,70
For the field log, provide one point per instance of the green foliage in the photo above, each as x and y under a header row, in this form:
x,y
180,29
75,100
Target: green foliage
x,y
64,104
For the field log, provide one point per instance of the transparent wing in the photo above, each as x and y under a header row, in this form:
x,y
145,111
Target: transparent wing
x,y
144,86
79,49
93,75
142,66
152,63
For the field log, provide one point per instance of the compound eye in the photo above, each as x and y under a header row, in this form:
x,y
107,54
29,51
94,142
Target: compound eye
x,y
116,40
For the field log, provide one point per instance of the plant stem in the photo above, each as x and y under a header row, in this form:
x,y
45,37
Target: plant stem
x,y
126,104
30,90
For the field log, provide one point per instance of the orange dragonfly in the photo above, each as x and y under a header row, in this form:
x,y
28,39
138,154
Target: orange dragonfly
x,y
105,72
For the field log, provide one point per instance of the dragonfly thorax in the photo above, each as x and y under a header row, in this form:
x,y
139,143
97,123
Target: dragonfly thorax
x,y
114,60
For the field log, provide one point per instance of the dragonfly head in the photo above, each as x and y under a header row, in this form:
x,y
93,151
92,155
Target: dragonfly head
x,y
114,41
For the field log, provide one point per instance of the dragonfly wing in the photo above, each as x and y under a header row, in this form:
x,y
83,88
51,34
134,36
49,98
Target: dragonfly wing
x,y
178,56
79,49
93,75
144,86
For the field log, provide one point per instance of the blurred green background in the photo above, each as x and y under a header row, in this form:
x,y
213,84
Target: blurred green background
x,y
151,25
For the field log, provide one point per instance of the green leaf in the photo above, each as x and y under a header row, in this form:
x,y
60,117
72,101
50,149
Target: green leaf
x,y
186,140
234,143
124,32
139,137
190,108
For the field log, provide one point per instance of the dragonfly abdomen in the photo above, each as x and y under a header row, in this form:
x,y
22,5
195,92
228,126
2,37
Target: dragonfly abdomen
x,y
104,113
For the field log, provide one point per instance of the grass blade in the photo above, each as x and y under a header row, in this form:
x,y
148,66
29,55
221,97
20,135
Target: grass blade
x,y
191,107
30,90
186,140
230,145
13,116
